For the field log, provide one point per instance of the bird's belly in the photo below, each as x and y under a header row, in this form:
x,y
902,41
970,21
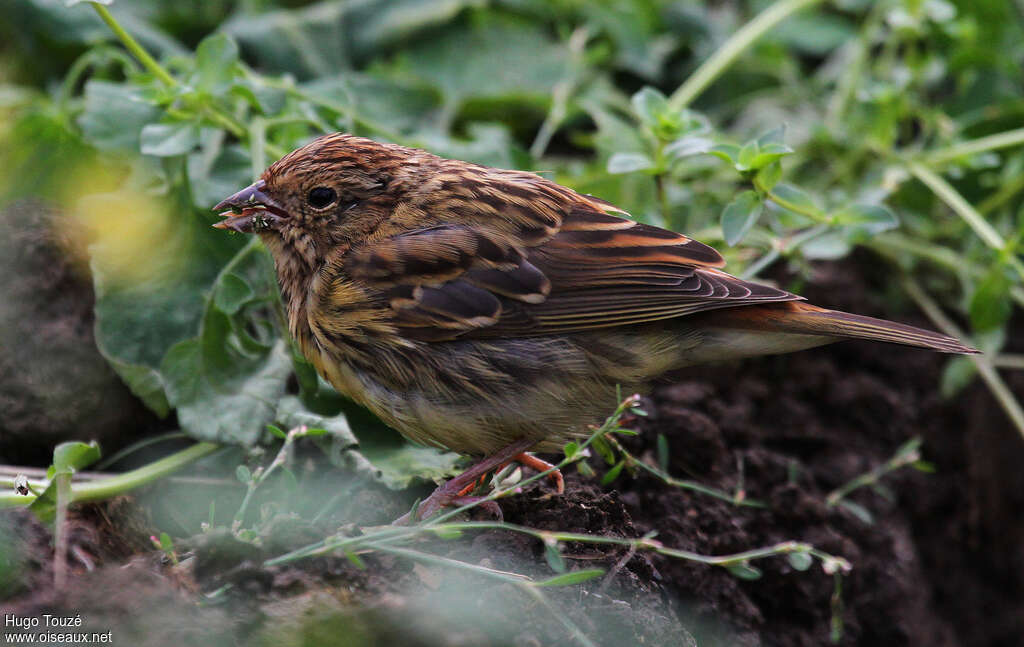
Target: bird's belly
x,y
477,397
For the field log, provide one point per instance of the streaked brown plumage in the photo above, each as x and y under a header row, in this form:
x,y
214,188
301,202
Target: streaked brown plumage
x,y
471,307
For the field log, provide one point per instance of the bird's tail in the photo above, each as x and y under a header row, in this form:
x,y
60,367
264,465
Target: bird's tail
x,y
796,317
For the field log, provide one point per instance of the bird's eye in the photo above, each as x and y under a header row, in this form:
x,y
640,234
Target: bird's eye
x,y
321,197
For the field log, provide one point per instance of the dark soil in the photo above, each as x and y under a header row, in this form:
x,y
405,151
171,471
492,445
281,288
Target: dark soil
x,y
53,380
941,561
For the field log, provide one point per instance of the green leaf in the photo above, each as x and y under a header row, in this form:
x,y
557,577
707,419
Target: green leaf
x,y
380,455
924,466
216,56
768,154
814,33
113,116
145,383
663,453
744,571
769,175
612,474
44,507
243,474
488,144
990,307
571,449
688,146
800,561
222,395
554,556
267,100
745,157
211,180
796,197
400,466
277,432
231,293
830,245
726,152
629,163
572,577
776,136
166,140
529,62
72,456
605,450
445,533
166,544
356,560
400,103
868,218
740,215
958,374
150,269
651,106
858,511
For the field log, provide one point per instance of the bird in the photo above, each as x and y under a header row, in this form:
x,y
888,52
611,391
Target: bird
x,y
493,312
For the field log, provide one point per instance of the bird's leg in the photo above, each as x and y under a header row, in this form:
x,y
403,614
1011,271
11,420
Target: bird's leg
x,y
526,460
450,491
540,465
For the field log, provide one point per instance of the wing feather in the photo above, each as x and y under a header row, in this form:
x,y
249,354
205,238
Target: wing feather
x,y
595,269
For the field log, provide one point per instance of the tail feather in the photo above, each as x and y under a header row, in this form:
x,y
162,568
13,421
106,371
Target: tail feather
x,y
804,318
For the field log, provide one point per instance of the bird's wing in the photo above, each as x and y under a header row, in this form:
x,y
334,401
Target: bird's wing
x,y
596,270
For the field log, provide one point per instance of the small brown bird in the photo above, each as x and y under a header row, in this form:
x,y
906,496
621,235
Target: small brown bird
x,y
492,312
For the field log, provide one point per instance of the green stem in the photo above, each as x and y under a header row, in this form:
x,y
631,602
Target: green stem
x,y
957,203
813,214
109,487
945,191
1002,393
215,114
1009,360
448,563
905,455
1000,196
569,625
680,483
974,146
98,490
725,55
134,47
895,246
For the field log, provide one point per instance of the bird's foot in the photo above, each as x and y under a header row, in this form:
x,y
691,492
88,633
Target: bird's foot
x,y
540,465
454,490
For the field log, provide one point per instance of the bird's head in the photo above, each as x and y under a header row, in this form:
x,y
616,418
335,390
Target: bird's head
x,y
328,192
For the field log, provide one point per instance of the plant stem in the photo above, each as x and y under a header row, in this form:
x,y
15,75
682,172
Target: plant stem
x,y
969,214
725,55
449,563
108,487
974,146
134,47
1001,195
995,383
905,455
569,625
97,490
813,214
680,483
220,117
893,246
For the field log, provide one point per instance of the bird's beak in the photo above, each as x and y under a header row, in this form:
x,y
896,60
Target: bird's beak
x,y
250,210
